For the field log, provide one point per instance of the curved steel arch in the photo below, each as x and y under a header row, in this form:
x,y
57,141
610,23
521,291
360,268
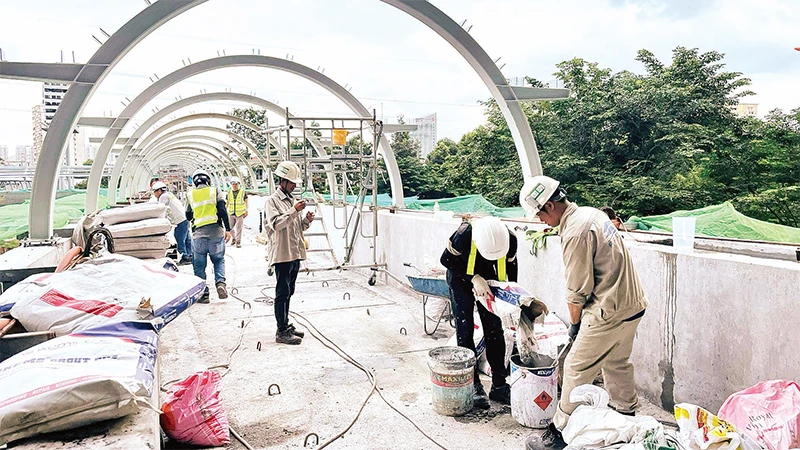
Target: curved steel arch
x,y
235,61
153,135
89,75
251,147
207,97
155,146
218,172
199,147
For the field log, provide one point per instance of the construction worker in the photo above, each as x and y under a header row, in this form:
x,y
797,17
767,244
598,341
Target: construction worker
x,y
604,296
476,253
237,211
206,210
177,217
285,225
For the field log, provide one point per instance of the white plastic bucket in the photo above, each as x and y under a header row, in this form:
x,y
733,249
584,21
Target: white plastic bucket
x,y
534,393
452,373
683,233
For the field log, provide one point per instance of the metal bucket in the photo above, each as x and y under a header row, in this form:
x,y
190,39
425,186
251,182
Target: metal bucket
x,y
452,372
534,392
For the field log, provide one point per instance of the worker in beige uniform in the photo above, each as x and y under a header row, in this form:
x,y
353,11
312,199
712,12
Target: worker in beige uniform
x,y
237,211
604,296
285,225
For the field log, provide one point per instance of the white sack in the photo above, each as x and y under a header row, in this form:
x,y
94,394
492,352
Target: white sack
x,y
145,254
147,227
122,245
76,380
133,213
104,290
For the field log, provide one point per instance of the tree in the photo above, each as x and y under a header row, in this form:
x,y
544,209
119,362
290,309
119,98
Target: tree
x,y
418,178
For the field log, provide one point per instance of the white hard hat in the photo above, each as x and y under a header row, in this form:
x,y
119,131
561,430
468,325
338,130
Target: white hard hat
x,y
159,185
235,180
200,174
491,238
536,192
288,171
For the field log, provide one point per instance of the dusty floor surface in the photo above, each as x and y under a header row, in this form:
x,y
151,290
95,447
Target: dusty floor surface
x,y
319,391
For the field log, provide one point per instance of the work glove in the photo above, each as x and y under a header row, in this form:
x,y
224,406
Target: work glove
x,y
573,330
481,287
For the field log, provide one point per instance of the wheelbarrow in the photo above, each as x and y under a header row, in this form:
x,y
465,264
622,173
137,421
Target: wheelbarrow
x,y
432,287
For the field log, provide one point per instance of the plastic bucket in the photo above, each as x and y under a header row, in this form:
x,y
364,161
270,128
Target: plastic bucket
x,y
683,233
452,372
534,393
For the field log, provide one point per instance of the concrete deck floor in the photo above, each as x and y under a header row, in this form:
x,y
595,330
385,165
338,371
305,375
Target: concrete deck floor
x,y
320,392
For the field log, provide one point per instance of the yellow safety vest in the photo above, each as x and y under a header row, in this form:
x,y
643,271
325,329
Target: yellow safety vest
x,y
236,206
473,254
204,206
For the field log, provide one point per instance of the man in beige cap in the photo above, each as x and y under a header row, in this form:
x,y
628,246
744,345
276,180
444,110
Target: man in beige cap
x,y
604,296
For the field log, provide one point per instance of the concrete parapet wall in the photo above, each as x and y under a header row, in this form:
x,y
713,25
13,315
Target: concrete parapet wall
x,y
717,322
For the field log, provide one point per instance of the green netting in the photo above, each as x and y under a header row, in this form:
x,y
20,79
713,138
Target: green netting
x,y
467,204
723,221
14,218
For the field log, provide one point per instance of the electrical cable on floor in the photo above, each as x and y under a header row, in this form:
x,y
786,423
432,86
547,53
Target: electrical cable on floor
x,y
370,375
240,439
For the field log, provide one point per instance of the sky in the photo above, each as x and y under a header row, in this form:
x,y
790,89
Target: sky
x,y
392,62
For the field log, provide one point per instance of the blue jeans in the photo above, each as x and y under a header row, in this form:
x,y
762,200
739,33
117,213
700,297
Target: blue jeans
x,y
214,248
184,239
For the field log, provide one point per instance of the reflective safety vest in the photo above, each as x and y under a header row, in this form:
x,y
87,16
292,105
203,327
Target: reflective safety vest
x,y
473,254
236,206
204,206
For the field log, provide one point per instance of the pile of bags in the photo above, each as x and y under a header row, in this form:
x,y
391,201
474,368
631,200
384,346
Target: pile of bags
x,y
139,230
106,314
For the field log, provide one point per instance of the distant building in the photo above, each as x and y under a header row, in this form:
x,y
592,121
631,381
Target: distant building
x,y
4,152
747,110
52,95
24,155
425,134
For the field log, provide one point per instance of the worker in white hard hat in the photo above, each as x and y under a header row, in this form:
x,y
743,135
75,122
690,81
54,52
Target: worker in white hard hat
x,y
176,213
285,225
237,211
208,214
475,253
604,297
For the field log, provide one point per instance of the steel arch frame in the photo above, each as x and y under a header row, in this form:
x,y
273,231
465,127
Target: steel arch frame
x,y
199,147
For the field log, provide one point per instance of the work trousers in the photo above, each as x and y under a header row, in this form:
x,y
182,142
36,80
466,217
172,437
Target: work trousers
x,y
286,275
237,222
184,239
214,248
463,301
601,346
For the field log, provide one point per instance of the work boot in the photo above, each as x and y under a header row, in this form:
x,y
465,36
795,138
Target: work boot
x,y
184,261
286,337
501,394
222,291
550,439
204,298
479,399
238,245
296,332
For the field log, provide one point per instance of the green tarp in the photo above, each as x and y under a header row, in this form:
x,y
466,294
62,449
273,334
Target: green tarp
x,y
475,204
723,221
14,218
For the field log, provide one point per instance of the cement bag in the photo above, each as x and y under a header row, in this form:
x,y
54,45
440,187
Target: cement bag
x,y
147,227
193,414
701,430
768,412
145,254
133,213
593,424
112,288
122,245
75,380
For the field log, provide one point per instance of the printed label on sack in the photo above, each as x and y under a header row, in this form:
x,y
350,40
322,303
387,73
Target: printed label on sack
x,y
543,400
451,381
96,307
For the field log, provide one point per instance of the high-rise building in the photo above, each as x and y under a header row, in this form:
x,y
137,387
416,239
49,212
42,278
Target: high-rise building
x,y
24,155
747,110
4,152
52,95
425,134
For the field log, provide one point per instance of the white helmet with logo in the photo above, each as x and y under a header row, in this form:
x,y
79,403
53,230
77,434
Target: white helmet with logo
x,y
536,192
288,170
235,180
491,238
